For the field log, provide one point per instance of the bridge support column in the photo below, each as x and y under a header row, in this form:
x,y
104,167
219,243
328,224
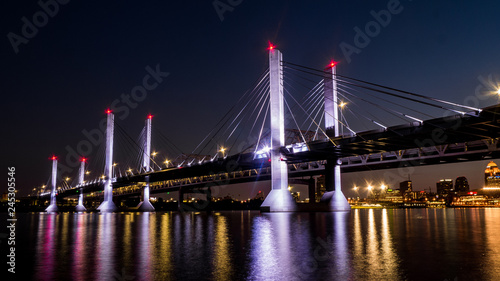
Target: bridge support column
x,y
279,199
53,204
180,199
312,190
107,205
209,196
146,205
80,207
333,195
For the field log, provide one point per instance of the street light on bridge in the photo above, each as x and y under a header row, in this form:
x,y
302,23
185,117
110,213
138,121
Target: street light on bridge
x,y
222,149
166,163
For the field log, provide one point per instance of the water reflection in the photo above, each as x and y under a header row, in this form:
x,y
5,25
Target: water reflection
x,y
79,242
222,257
492,247
264,260
145,240
374,255
104,256
424,244
46,249
163,255
342,267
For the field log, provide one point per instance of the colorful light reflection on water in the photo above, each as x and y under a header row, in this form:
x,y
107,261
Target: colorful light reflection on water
x,y
367,244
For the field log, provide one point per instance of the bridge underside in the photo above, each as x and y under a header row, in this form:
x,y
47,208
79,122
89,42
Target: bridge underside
x,y
449,130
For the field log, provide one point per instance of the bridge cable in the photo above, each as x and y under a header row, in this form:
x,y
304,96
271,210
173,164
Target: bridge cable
x,y
393,94
392,89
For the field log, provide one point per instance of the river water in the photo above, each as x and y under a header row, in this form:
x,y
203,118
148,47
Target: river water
x,y
364,244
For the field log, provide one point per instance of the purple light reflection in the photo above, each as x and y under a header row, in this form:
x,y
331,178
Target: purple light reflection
x,y
45,263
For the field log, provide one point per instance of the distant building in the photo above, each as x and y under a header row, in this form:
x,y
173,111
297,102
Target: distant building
x,y
444,186
405,186
320,187
461,184
492,175
393,196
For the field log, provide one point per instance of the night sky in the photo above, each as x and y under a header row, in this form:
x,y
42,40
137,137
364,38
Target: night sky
x,y
85,55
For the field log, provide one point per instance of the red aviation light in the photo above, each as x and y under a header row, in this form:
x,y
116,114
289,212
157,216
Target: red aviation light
x,y
332,64
83,159
108,111
150,116
271,46
53,157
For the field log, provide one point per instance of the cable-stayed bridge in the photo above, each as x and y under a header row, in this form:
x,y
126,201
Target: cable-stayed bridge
x,y
340,124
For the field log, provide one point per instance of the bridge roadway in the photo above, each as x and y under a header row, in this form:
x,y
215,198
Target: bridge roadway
x,y
458,138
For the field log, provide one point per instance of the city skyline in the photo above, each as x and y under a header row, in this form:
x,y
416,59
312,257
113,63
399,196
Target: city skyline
x,y
475,176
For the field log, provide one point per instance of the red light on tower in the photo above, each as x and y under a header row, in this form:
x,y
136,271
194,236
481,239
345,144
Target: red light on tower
x,y
332,64
53,157
271,46
83,159
150,116
108,111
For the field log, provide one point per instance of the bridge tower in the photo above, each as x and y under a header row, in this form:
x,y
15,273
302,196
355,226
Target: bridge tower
x,y
53,205
107,205
81,175
333,195
279,199
145,205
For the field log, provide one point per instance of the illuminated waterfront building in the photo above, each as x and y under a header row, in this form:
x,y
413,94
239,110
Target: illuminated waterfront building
x,y
492,176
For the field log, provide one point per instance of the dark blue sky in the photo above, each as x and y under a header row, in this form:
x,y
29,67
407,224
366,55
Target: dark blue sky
x,y
89,53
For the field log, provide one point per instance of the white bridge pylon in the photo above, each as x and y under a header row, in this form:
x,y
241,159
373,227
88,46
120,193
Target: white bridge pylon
x,y
279,199
53,205
81,175
333,195
107,205
145,205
